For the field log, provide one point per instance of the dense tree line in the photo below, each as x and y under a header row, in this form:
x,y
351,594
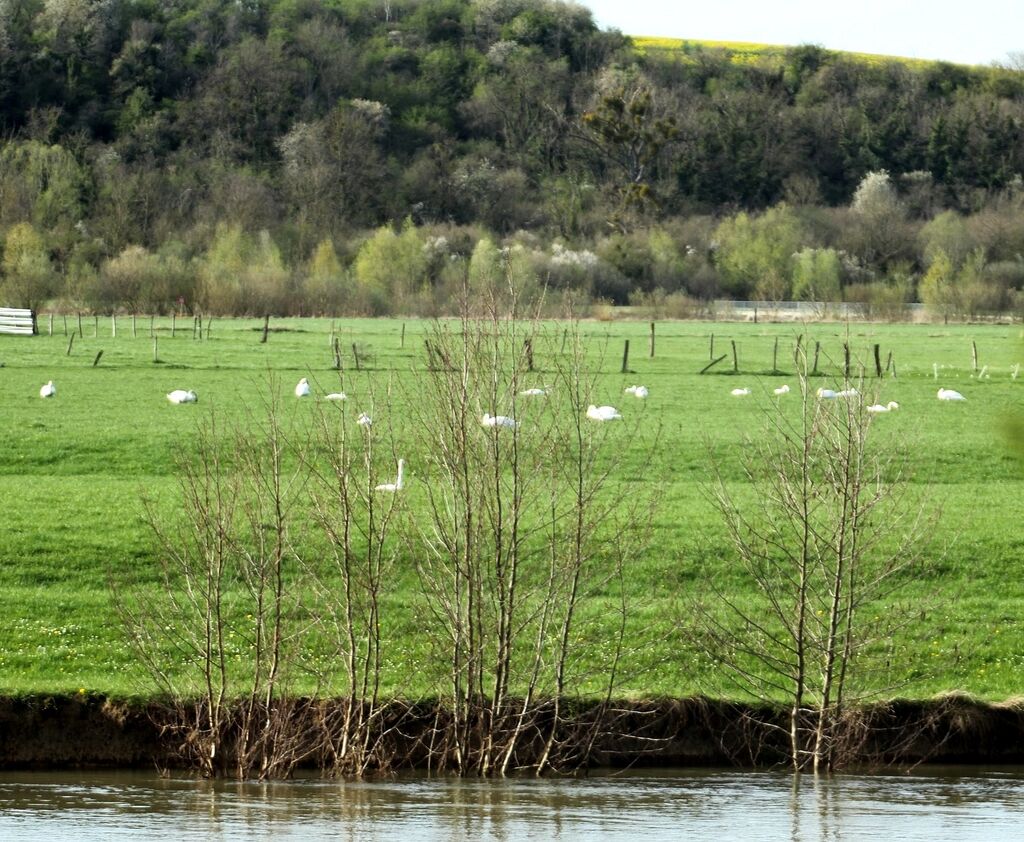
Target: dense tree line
x,y
354,155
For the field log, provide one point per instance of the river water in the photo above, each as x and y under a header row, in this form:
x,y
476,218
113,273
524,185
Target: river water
x,y
928,804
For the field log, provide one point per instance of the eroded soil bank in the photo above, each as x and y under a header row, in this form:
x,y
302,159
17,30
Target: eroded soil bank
x,y
68,732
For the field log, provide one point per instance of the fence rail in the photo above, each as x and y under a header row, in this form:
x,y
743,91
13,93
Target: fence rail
x,y
802,309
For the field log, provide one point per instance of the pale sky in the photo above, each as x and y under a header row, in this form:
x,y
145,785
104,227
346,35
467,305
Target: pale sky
x,y
961,31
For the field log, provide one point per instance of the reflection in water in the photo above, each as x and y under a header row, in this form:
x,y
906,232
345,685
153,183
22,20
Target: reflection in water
x,y
701,804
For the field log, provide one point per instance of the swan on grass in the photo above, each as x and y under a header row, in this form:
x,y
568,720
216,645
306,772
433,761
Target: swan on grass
x,y
950,395
489,420
397,484
782,390
740,393
603,413
827,394
364,420
637,391
302,389
534,392
333,396
48,390
182,396
889,407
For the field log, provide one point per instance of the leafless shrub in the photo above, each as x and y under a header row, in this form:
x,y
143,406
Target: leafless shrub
x,y
218,632
349,590
827,536
520,534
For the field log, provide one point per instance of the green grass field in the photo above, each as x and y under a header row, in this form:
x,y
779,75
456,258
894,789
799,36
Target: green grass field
x,y
74,468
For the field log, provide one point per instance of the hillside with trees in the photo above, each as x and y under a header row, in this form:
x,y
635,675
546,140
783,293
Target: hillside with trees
x,y
367,156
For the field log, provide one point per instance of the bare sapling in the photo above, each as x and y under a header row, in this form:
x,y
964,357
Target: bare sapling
x,y
348,460
510,545
595,535
820,523
218,632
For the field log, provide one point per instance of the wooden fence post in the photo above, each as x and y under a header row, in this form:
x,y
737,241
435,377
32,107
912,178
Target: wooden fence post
x,y
113,325
95,326
355,355
80,334
174,319
65,317
713,362
711,355
846,360
266,328
735,356
96,361
337,354
652,340
974,355
878,361
156,355
625,358
51,325
817,350
135,334
528,348
403,335
72,342
775,355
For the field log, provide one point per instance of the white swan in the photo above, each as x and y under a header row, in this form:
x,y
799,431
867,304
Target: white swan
x,y
489,420
889,407
950,395
397,484
739,393
847,393
782,390
182,396
48,391
603,413
638,391
534,393
364,420
302,389
827,394
333,396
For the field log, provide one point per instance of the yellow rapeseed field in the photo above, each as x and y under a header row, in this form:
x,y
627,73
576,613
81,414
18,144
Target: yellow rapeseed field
x,y
742,52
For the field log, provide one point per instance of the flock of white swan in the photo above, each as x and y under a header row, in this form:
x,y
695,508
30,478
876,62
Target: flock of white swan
x,y
833,394
596,413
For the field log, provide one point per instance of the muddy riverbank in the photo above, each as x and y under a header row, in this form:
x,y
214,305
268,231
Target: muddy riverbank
x,y
81,731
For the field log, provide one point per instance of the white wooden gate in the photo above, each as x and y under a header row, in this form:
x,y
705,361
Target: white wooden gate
x,y
18,322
